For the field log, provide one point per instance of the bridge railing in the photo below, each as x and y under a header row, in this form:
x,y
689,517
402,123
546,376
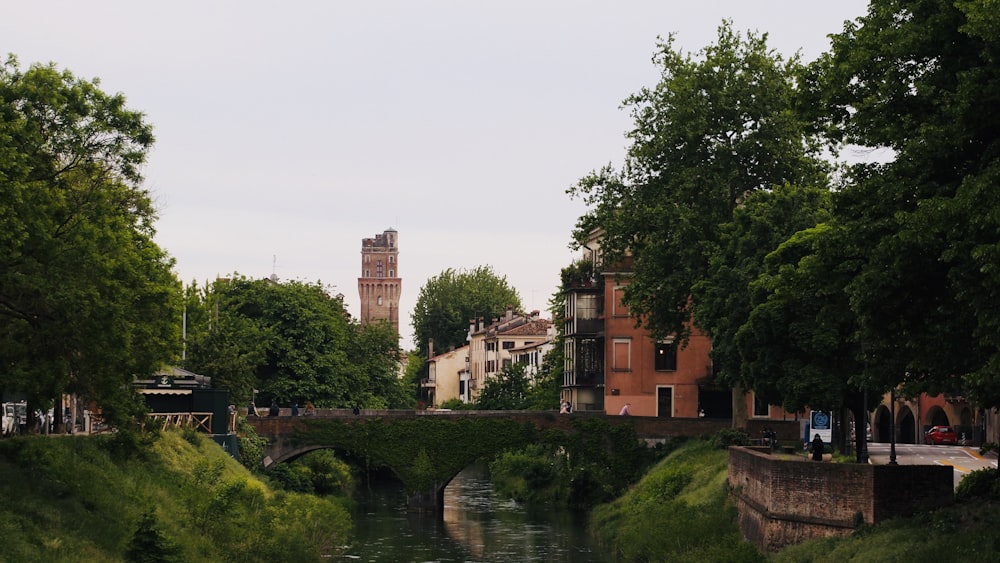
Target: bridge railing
x,y
197,420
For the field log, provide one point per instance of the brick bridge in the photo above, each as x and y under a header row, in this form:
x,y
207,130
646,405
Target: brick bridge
x,y
426,449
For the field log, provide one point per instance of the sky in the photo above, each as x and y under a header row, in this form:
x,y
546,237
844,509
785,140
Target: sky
x,y
288,132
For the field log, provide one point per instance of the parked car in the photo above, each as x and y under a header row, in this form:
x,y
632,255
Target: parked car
x,y
941,435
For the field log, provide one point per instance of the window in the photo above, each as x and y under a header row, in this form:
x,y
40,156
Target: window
x,y
392,259
506,363
491,366
507,344
379,299
666,356
760,408
621,350
378,269
491,346
620,310
392,274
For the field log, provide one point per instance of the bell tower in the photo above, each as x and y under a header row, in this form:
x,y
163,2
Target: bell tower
x,y
379,285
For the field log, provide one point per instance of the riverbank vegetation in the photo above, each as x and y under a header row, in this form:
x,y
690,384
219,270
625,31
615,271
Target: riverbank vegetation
x,y
179,497
681,511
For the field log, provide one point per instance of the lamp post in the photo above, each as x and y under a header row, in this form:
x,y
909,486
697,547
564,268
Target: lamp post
x,y
863,450
892,426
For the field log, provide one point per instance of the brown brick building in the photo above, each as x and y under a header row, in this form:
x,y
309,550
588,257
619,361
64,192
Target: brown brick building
x,y
380,284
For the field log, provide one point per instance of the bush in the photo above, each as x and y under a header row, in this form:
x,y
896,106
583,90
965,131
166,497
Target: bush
x,y
730,437
982,483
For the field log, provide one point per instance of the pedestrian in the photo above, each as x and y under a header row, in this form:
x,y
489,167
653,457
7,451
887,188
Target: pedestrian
x,y
252,409
232,418
564,408
626,411
356,410
817,448
275,410
295,409
310,409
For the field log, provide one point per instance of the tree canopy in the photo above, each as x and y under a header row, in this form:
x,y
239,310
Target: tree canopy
x,y
87,300
916,78
718,127
294,342
448,301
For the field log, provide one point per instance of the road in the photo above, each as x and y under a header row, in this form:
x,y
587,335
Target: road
x,y
964,459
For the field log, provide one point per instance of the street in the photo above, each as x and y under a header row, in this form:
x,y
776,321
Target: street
x,y
964,459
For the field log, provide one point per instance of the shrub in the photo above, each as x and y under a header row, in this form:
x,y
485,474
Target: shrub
x,y
730,437
982,483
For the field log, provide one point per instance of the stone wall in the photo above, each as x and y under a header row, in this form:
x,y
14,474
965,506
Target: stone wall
x,y
784,500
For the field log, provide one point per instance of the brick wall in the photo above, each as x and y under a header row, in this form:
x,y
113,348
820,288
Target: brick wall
x,y
783,500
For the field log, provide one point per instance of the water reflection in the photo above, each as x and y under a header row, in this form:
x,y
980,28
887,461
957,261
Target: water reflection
x,y
476,526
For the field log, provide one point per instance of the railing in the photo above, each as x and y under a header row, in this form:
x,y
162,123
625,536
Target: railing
x,y
197,420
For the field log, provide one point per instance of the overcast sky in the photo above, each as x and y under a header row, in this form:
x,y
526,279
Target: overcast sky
x,y
288,131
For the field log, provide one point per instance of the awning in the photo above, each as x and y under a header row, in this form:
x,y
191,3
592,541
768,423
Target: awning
x,y
165,391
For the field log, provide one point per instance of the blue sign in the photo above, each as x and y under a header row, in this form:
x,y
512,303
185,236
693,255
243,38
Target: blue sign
x,y
820,423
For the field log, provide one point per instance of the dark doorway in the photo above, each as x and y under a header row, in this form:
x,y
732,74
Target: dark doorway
x,y
665,402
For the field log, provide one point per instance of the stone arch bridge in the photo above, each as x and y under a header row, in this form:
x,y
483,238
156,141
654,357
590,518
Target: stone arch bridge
x,y
426,449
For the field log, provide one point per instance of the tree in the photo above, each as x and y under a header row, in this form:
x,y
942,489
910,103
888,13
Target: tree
x,y
766,219
507,391
295,343
713,131
448,301
915,77
87,300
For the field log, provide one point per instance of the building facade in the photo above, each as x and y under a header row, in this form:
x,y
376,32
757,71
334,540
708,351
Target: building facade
x,y
492,346
380,283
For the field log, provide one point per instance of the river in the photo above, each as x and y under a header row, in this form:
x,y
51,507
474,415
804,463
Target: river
x,y
477,526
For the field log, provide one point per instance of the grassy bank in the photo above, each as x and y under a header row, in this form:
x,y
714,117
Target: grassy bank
x,y
84,498
680,511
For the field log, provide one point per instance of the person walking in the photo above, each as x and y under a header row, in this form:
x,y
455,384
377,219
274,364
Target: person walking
x,y
275,409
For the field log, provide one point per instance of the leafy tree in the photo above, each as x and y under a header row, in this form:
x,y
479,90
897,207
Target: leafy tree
x,y
915,78
758,227
507,391
716,129
449,300
87,300
294,342
149,544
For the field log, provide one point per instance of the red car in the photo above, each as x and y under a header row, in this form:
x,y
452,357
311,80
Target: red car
x,y
941,435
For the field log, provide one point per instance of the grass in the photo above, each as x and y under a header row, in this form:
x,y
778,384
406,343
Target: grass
x,y
76,498
681,511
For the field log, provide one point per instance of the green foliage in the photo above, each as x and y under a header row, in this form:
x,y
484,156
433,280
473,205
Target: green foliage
x,y
456,404
448,301
182,501
423,471
921,226
295,343
537,474
330,475
980,484
718,127
250,444
730,437
508,390
679,511
149,545
87,299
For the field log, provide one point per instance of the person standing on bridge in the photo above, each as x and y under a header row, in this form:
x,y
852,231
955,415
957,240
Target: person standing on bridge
x,y
626,411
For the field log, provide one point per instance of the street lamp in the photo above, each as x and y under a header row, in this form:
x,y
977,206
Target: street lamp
x,y
892,426
863,450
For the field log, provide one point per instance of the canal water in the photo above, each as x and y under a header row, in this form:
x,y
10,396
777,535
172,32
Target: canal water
x,y
477,527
